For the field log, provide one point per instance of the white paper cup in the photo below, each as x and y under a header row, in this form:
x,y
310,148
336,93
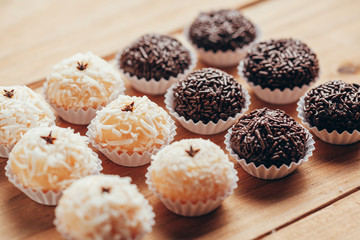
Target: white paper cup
x,y
333,137
276,96
152,86
273,172
199,127
124,159
81,116
50,198
221,58
191,209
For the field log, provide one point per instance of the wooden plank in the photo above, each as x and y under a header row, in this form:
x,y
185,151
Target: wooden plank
x,y
340,220
258,206
36,35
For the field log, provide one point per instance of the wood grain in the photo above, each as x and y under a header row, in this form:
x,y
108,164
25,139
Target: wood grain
x,y
337,221
258,207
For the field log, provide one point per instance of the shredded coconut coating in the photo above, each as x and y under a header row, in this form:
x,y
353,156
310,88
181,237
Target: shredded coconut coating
x,y
179,176
52,166
144,128
104,207
24,110
72,88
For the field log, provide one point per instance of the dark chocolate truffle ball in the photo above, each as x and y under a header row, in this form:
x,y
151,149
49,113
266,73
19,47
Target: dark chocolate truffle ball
x,y
208,95
334,105
280,64
222,30
269,137
155,56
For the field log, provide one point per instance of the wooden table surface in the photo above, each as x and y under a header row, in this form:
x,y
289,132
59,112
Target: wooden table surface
x,y
320,200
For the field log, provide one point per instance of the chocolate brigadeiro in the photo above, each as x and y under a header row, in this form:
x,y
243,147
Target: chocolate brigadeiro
x,y
222,30
155,56
269,137
334,105
208,95
280,64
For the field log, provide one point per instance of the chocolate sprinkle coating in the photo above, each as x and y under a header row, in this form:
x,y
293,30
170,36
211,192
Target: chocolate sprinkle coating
x,y
222,30
269,137
280,64
155,56
208,95
334,105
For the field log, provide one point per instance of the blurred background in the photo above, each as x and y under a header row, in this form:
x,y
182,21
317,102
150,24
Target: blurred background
x,y
37,34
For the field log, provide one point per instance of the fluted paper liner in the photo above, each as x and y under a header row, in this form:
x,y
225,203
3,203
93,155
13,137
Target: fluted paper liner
x,y
50,198
273,172
135,159
153,86
192,209
221,58
81,116
333,137
276,96
199,127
